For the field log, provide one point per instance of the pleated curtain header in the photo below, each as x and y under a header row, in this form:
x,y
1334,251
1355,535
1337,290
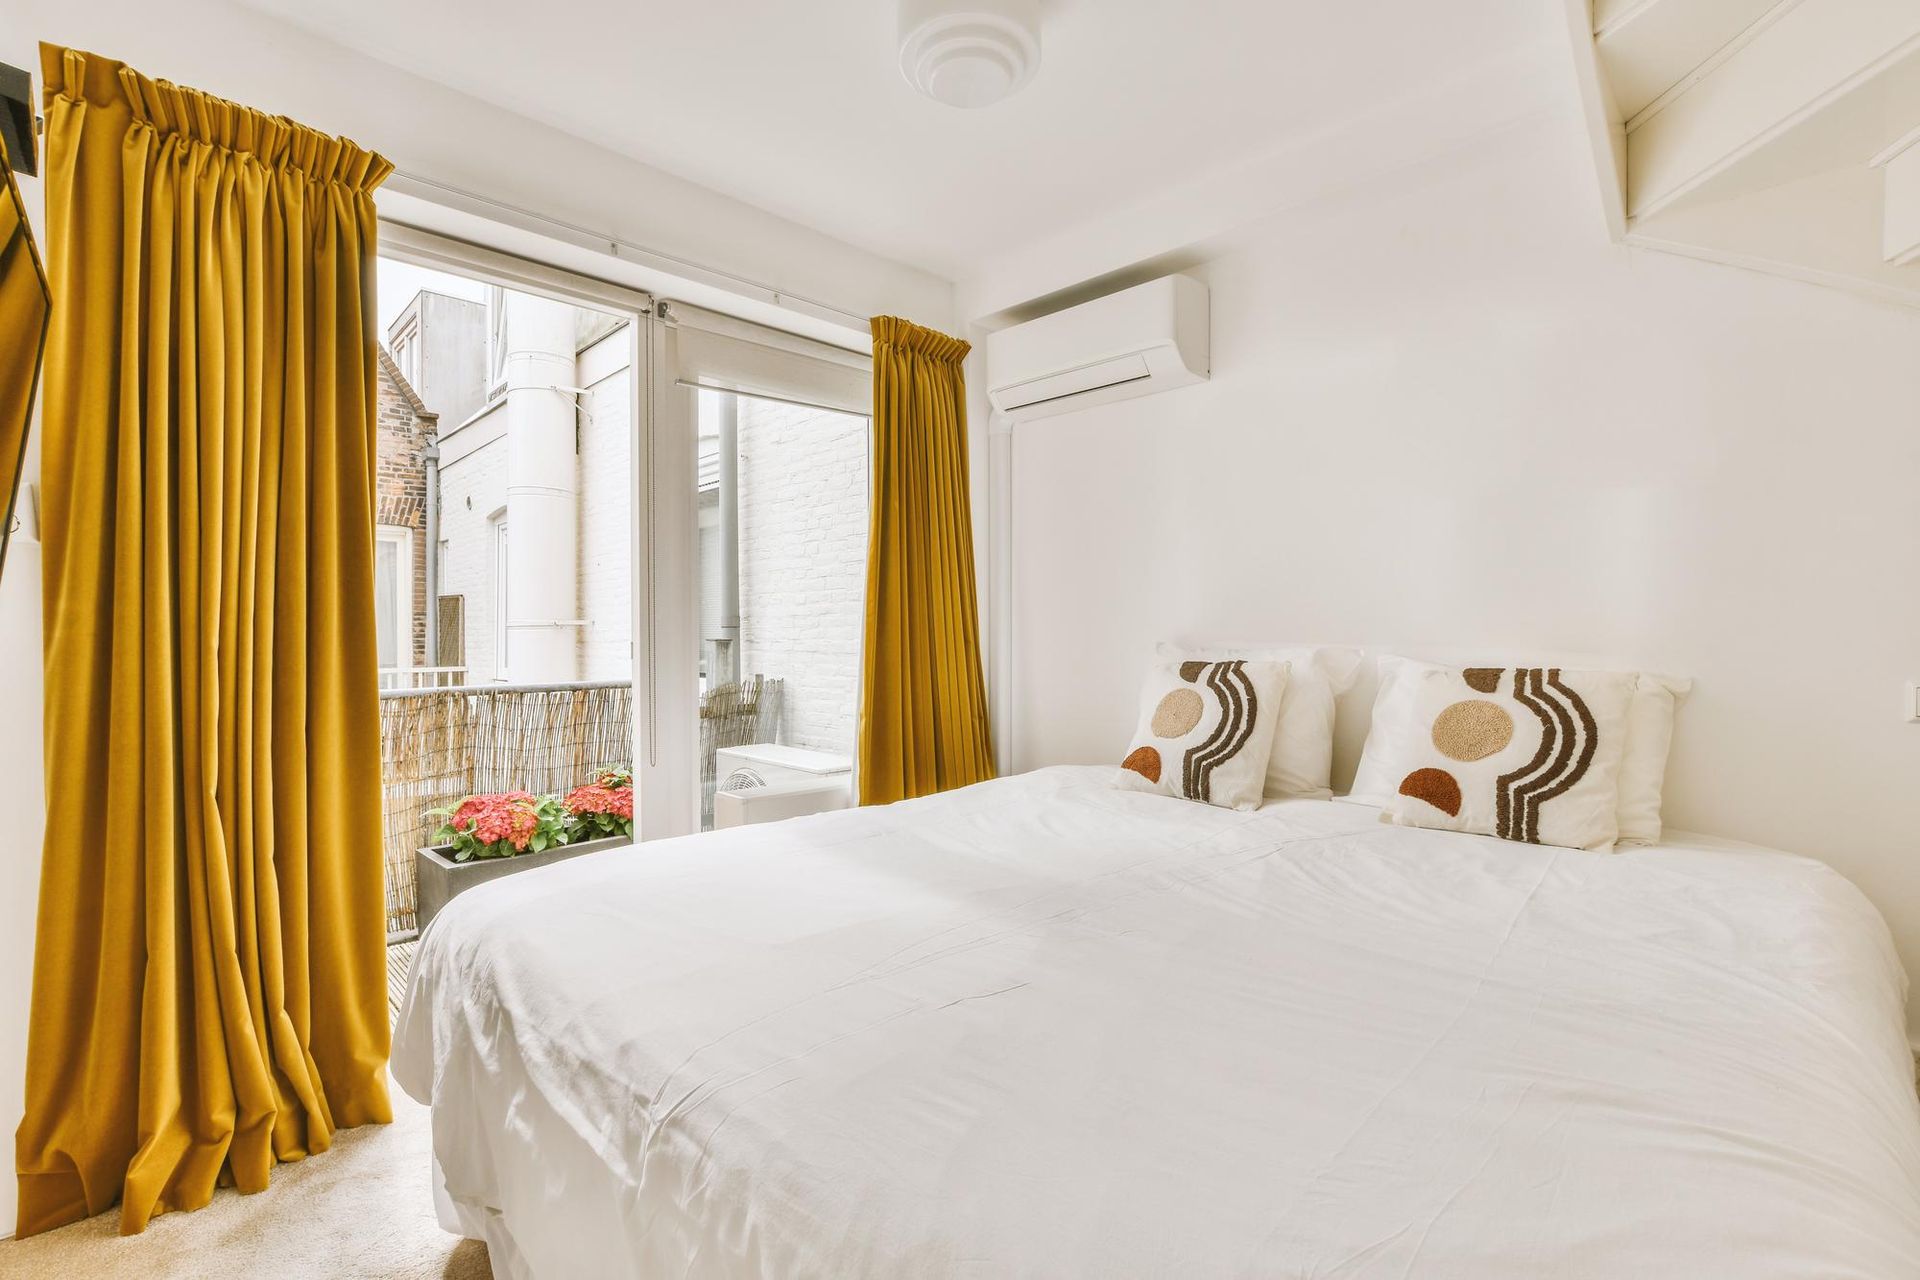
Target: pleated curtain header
x,y
200,119
892,331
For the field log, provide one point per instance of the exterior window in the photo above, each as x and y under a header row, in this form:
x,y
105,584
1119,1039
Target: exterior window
x,y
406,352
393,596
496,342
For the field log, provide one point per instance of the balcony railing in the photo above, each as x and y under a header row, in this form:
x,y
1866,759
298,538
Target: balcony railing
x,y
421,677
439,745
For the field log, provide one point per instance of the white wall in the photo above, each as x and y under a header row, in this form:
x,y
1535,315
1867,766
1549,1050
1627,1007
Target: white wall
x,y
606,511
1445,412
473,487
20,764
803,563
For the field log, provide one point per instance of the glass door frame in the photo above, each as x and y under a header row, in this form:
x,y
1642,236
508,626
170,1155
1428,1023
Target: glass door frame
x,y
705,350
660,759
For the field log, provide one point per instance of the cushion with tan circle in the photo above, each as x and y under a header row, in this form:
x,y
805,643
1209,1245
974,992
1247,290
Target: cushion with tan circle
x,y
1205,731
1302,761
1523,753
1394,724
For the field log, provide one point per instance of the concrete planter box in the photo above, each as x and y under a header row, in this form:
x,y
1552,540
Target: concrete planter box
x,y
438,877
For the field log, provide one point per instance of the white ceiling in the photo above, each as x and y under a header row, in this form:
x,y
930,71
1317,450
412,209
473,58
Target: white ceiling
x,y
798,106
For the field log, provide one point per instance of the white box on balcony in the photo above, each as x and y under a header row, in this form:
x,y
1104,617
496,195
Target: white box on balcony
x,y
764,782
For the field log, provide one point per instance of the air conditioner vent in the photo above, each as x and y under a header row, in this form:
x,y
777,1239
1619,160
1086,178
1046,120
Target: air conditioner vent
x,y
1152,337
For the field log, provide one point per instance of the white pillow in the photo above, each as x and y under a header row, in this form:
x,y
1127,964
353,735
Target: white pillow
x,y
1301,766
1206,730
1643,770
1643,765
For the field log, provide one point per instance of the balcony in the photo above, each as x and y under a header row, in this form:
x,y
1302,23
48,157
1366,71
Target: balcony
x,y
440,744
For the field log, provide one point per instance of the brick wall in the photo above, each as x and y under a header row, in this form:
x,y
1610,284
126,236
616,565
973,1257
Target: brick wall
x,y
803,563
405,429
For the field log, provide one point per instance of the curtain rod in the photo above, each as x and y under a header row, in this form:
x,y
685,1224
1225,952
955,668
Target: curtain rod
x,y
626,250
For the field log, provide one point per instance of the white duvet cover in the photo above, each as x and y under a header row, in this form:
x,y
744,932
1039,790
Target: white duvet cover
x,y
1041,1027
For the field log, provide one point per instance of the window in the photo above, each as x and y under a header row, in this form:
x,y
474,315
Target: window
x,y
406,352
393,596
496,342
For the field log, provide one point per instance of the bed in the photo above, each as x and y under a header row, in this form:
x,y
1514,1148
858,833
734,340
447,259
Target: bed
x,y
1042,1027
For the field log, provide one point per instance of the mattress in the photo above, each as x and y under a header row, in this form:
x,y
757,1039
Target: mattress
x,y
1042,1027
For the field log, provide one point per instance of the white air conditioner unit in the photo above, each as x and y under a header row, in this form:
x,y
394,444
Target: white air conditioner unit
x,y
1149,338
763,782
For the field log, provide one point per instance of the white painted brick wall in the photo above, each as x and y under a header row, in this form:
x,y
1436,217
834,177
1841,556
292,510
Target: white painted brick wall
x,y
606,529
472,487
803,563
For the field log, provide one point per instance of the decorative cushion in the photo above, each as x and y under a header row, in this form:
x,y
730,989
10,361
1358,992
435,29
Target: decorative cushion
x,y
1523,753
1643,764
1301,766
1206,730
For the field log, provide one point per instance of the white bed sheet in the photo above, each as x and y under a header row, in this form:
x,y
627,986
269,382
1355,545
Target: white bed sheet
x,y
1041,1027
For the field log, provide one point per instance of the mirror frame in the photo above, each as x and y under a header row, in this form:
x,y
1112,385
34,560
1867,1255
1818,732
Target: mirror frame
x,y
13,259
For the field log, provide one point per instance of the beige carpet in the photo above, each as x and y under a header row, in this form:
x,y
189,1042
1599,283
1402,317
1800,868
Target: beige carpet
x,y
363,1210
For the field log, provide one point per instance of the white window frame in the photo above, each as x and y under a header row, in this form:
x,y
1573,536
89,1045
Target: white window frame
x,y
496,342
402,538
405,349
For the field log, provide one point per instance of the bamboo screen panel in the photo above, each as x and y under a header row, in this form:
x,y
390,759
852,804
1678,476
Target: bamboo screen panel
x,y
734,715
441,745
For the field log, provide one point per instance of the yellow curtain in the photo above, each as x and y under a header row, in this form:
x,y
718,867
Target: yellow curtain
x,y
208,992
923,710
23,332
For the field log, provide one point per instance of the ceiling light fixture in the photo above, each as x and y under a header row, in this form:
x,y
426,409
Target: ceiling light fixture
x,y
969,54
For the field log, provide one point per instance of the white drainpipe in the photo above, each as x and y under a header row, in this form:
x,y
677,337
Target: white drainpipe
x,y
728,541
543,498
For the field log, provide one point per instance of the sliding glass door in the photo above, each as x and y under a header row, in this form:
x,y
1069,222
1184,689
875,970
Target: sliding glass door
x,y
510,420
783,510
778,479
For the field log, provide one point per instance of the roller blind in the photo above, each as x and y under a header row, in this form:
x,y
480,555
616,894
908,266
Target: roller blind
x,y
725,354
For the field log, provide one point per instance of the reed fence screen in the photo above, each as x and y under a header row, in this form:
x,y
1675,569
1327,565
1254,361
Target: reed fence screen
x,y
439,746
734,715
